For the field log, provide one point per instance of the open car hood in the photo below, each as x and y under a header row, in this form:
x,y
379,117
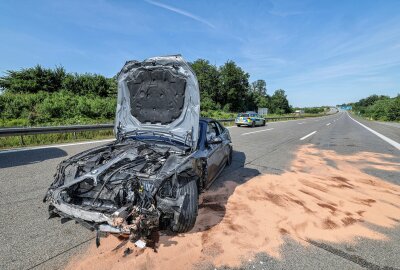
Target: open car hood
x,y
159,95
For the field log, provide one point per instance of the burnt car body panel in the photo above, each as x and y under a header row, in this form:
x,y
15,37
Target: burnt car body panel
x,y
146,178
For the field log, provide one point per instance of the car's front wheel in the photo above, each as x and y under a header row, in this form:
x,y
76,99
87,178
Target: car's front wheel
x,y
188,212
229,160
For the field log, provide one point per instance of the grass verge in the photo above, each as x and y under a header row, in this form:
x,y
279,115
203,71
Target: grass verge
x,y
45,139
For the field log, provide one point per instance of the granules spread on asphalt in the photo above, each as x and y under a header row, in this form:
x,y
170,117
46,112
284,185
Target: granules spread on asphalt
x,y
311,201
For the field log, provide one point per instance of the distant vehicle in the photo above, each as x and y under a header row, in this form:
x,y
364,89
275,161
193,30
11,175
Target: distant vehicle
x,y
250,119
346,108
299,112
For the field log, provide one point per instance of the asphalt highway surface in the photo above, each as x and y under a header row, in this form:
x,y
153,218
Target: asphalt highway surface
x,y
29,240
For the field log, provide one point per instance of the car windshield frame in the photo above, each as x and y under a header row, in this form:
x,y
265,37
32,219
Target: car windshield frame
x,y
158,138
243,115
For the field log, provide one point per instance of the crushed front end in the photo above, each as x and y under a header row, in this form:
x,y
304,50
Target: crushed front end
x,y
123,188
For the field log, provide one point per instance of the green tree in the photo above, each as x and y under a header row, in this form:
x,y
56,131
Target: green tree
x,y
207,76
394,109
279,102
90,84
314,110
365,102
362,105
33,80
233,86
257,96
259,87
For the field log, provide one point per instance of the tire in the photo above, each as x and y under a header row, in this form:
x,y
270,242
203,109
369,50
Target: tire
x,y
253,124
229,160
238,125
188,214
263,123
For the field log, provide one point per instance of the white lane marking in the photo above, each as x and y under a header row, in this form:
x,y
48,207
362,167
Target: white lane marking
x,y
308,135
230,127
51,146
301,123
328,124
276,122
257,131
383,137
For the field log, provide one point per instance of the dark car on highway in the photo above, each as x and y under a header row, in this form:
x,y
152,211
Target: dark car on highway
x,y
163,156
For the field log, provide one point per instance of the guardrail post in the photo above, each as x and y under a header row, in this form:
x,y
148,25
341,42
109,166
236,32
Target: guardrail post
x,y
22,140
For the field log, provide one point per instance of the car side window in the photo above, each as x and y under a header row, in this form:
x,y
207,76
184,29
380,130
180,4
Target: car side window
x,y
212,131
220,127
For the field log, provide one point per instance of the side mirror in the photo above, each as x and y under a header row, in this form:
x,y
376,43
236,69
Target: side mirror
x,y
215,140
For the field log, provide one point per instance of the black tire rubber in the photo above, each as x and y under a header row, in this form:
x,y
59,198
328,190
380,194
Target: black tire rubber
x,y
238,125
188,215
229,160
264,123
253,124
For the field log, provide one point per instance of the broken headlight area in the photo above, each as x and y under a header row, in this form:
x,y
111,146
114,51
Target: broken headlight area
x,y
124,188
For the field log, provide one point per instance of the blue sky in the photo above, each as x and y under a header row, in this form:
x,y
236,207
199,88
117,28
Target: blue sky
x,y
320,52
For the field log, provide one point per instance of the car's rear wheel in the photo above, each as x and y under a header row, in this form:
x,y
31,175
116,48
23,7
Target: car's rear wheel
x,y
188,213
263,123
238,125
253,124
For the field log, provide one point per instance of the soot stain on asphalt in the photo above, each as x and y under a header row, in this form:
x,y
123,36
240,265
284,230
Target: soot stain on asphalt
x,y
243,218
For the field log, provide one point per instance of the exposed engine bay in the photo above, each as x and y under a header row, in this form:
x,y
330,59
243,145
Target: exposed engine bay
x,y
126,188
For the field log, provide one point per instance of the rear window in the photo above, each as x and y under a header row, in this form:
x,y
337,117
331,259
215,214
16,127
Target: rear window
x,y
243,115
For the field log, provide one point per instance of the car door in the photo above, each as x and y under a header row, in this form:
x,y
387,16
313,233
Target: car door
x,y
226,142
215,151
255,119
259,121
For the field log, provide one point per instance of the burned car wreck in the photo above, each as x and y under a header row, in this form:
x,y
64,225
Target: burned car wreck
x,y
164,154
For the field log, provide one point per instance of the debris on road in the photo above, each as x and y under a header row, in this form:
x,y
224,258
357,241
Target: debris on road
x,y
127,251
140,243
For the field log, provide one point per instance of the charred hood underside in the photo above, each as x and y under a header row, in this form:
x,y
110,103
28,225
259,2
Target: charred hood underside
x,y
160,94
157,96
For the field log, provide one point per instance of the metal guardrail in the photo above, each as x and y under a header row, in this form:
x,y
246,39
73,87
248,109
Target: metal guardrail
x,y
21,131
